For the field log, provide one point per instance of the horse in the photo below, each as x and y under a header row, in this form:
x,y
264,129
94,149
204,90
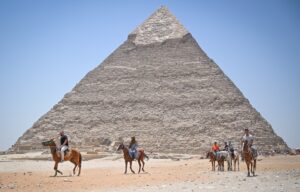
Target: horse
x,y
236,160
220,158
224,156
73,156
127,158
249,158
212,158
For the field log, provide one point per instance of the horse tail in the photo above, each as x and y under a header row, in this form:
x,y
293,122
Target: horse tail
x,y
146,156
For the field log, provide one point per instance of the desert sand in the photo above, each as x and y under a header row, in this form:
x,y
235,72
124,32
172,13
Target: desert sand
x,y
17,173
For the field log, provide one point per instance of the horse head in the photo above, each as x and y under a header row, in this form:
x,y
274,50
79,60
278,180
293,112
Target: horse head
x,y
121,146
49,143
208,154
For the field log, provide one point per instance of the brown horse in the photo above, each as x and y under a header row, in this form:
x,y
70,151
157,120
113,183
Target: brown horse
x,y
212,158
223,155
127,157
73,155
249,158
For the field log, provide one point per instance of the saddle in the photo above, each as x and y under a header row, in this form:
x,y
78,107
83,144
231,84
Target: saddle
x,y
66,152
134,155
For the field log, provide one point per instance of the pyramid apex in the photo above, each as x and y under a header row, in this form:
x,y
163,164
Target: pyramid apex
x,y
160,26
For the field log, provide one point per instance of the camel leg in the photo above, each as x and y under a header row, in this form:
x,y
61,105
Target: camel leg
x,y
139,165
130,163
126,162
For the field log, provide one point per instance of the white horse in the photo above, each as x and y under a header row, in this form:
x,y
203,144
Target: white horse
x,y
224,156
236,160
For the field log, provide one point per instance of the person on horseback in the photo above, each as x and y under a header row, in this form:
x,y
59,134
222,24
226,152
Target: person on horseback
x,y
133,148
215,148
250,139
226,146
64,144
231,149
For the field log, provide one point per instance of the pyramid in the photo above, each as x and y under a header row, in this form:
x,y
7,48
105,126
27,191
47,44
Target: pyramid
x,y
160,87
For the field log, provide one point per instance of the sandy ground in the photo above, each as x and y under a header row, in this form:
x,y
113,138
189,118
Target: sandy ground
x,y
277,173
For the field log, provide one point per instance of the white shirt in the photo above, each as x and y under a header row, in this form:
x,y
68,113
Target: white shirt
x,y
248,138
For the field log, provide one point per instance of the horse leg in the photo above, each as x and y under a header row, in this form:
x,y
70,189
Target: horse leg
x,y
143,165
251,167
139,161
72,161
79,164
229,165
130,163
56,170
222,166
126,162
234,164
254,167
248,168
238,162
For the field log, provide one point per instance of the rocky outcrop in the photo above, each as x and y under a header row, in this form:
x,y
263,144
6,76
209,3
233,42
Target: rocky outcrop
x,y
161,87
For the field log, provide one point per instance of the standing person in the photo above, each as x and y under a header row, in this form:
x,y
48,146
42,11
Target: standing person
x,y
250,139
133,148
64,144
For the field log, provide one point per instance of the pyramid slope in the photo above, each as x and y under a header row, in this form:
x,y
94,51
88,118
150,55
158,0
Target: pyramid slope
x,y
169,94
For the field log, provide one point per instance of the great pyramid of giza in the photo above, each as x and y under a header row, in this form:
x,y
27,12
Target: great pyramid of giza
x,y
160,87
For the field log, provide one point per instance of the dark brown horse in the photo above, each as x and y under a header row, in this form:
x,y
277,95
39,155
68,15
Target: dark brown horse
x,y
220,158
73,156
212,158
249,158
127,158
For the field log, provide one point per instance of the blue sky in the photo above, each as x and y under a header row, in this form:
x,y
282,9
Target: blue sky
x,y
46,47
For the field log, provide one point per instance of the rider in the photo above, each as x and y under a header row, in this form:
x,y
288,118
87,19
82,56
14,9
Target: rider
x,y
215,148
133,148
231,149
226,146
249,138
64,144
